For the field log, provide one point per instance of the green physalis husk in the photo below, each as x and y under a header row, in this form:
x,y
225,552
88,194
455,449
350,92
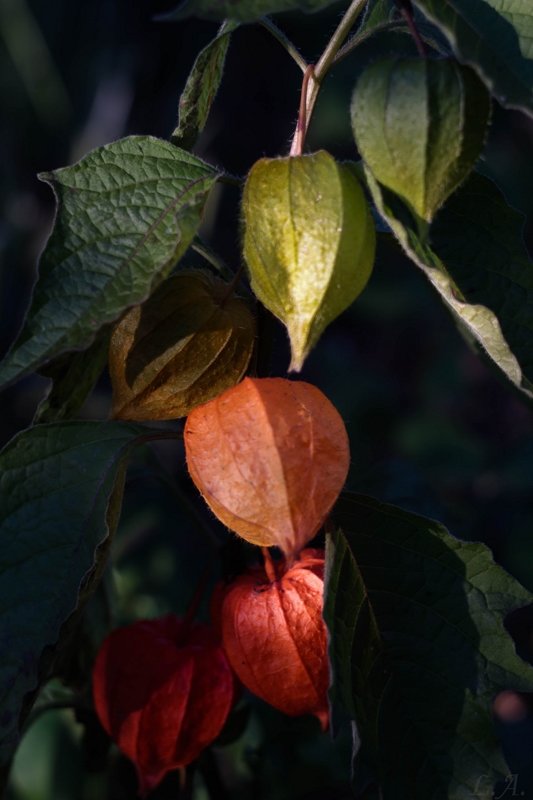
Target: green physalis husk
x,y
420,126
309,242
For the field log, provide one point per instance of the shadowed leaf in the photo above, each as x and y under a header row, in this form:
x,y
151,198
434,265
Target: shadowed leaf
x,y
201,88
418,649
478,263
56,484
496,38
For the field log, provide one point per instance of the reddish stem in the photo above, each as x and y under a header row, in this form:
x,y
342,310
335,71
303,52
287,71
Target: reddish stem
x,y
301,125
406,10
270,567
196,599
232,286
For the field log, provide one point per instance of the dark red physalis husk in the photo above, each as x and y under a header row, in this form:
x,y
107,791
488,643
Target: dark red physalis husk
x,y
162,689
274,635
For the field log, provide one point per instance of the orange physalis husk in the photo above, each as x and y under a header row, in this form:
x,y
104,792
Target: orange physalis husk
x,y
270,456
162,690
275,638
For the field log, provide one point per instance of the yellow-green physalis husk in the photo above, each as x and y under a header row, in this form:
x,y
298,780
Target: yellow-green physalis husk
x,y
420,125
191,340
309,242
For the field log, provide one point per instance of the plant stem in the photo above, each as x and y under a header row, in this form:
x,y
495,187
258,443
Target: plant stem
x,y
270,567
337,40
284,41
198,595
213,259
357,39
301,125
232,286
324,63
406,10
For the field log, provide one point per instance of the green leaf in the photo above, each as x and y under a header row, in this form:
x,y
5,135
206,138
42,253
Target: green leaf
x,y
495,37
126,213
420,126
73,379
201,88
478,263
377,13
56,485
418,649
309,242
190,341
241,10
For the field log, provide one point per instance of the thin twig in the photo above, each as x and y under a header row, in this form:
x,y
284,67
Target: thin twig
x,y
284,41
337,40
326,59
213,259
359,38
232,286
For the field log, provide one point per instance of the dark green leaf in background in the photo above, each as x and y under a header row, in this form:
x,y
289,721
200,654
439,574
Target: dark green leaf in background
x,y
73,378
56,484
201,88
418,649
496,38
478,263
241,10
126,213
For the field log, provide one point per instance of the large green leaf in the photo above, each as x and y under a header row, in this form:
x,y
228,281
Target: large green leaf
x,y
478,263
242,10
56,484
496,38
126,214
201,87
418,649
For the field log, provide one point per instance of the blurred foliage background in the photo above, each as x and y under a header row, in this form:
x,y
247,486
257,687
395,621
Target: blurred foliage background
x,y
432,427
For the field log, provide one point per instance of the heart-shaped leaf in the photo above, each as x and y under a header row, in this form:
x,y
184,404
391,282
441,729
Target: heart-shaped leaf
x,y
126,214
309,242
189,342
418,649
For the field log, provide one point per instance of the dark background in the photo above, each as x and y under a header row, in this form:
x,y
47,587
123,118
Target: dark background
x,y
432,427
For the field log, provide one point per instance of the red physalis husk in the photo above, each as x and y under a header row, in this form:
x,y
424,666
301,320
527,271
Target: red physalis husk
x,y
162,689
270,457
275,637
